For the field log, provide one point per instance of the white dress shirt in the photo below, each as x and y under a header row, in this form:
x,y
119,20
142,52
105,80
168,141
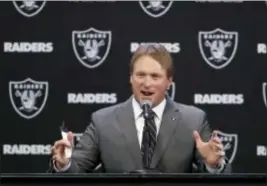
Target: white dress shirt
x,y
158,110
139,120
139,123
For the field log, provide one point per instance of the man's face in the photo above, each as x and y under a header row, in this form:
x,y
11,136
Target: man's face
x,y
149,80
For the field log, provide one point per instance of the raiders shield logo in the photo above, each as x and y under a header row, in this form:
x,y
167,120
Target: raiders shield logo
x,y
171,91
230,142
264,93
91,46
29,8
155,8
28,97
218,47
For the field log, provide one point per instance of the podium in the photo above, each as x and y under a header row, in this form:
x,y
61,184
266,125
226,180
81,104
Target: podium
x,y
96,179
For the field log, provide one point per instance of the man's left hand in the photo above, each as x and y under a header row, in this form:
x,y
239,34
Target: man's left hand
x,y
211,151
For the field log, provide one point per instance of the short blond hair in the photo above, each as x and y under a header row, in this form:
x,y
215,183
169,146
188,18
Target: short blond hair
x,y
157,52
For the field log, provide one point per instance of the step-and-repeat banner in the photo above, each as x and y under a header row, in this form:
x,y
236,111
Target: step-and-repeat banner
x,y
61,61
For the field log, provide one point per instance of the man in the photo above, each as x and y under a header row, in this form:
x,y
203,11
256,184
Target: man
x,y
114,138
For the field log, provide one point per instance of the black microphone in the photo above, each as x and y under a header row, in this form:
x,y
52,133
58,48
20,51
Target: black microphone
x,y
146,106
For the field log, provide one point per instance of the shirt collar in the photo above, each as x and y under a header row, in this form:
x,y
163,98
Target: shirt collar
x,y
158,109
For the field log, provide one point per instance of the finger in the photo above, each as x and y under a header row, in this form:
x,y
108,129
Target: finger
x,y
54,148
57,151
215,146
56,158
218,147
60,150
62,142
70,137
197,138
216,140
220,153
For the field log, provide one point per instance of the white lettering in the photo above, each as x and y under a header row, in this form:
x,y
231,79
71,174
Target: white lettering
x,y
37,47
26,149
171,47
261,150
262,48
87,98
218,99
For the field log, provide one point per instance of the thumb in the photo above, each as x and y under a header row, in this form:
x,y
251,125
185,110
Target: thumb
x,y
70,137
197,138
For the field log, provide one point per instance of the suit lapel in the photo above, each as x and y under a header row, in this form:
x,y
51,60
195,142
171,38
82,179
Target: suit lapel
x,y
170,121
125,117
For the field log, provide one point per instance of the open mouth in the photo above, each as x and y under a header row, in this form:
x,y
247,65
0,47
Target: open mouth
x,y
147,93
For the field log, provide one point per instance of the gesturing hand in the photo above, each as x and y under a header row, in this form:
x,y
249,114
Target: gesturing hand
x,y
58,151
211,151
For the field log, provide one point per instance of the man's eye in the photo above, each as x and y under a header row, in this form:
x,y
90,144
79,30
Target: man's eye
x,y
140,75
155,76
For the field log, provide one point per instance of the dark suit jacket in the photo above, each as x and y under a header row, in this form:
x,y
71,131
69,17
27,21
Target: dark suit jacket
x,y
111,139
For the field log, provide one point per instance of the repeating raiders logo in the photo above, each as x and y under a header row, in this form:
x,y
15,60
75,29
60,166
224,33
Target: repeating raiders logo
x,y
156,8
218,47
230,142
264,93
91,46
29,8
28,97
171,91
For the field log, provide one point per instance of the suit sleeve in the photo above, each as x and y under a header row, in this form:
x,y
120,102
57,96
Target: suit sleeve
x,y
85,156
205,132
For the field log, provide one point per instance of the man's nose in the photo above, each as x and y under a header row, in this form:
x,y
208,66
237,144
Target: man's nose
x,y
147,81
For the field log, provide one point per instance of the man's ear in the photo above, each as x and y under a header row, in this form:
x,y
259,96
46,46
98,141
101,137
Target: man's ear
x,y
131,79
170,82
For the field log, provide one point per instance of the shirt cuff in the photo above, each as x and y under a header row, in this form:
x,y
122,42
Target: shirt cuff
x,y
62,169
216,170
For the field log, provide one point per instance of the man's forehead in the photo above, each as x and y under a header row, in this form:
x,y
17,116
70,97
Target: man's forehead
x,y
150,71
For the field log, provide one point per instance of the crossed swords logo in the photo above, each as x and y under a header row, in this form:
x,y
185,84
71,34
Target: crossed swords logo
x,y
91,49
28,99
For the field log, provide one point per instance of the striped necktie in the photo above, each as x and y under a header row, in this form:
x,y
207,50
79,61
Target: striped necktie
x,y
149,140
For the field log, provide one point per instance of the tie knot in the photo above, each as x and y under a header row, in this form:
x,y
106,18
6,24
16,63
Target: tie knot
x,y
151,115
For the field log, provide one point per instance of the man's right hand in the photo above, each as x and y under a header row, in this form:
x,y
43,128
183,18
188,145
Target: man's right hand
x,y
58,151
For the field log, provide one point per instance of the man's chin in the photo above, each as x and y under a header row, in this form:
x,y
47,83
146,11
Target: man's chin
x,y
150,98
142,98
